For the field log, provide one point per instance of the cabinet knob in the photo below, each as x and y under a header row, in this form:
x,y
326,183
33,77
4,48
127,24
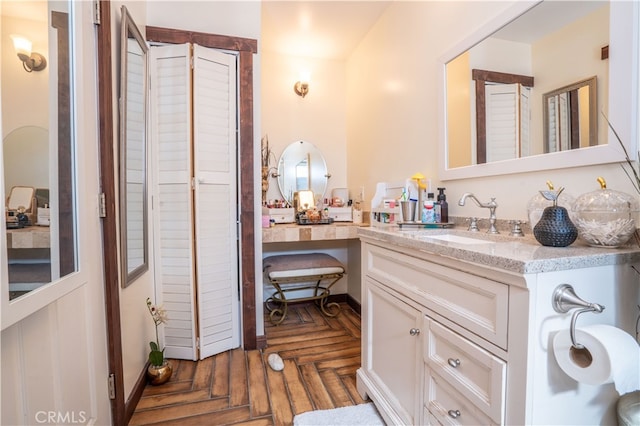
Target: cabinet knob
x,y
414,331
453,362
454,413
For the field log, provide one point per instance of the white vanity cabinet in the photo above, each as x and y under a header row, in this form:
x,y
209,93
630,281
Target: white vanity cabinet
x,y
413,358
462,334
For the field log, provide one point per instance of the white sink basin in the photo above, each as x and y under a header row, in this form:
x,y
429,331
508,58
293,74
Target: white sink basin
x,y
458,239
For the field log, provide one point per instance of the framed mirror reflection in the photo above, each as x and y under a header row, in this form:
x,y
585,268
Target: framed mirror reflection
x,y
39,152
133,151
557,45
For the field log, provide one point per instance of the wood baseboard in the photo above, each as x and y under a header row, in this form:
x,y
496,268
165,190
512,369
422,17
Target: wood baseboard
x,y
354,304
136,394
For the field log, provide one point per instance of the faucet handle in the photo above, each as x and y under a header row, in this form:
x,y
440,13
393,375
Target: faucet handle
x,y
473,224
516,231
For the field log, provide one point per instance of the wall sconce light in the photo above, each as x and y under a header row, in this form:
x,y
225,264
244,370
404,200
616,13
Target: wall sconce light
x,y
302,85
31,61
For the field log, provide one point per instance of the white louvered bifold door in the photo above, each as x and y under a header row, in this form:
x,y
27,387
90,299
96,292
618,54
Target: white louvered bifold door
x,y
214,119
171,150
502,117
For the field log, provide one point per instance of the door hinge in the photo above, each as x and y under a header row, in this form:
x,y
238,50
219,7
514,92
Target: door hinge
x,y
112,386
197,343
102,209
96,12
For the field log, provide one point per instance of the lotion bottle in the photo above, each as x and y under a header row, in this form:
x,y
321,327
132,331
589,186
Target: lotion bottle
x,y
444,206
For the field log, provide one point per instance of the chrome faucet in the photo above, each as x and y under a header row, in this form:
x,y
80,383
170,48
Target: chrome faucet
x,y
491,205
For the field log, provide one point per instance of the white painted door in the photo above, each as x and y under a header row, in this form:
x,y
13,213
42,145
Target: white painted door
x,y
508,118
502,119
196,198
216,230
170,146
53,342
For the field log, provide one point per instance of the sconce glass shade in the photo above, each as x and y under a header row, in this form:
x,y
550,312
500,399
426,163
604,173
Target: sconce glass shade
x,y
31,61
302,85
301,88
22,45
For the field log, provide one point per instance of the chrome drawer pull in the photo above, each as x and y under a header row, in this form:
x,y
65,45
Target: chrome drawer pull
x,y
414,331
453,362
454,413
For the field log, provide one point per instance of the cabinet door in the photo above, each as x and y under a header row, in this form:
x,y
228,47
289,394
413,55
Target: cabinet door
x,y
390,357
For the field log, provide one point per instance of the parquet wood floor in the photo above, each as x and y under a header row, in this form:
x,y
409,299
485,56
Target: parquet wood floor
x,y
321,356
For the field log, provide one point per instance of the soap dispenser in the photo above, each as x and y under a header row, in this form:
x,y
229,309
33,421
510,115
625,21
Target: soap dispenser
x,y
444,206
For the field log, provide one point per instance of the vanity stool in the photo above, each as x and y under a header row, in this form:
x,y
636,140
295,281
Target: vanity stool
x,y
301,272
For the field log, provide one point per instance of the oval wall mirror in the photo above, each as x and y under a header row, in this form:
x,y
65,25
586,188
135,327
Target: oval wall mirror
x,y
302,167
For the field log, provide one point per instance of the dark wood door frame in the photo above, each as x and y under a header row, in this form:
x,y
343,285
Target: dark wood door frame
x,y
109,224
245,48
481,77
122,410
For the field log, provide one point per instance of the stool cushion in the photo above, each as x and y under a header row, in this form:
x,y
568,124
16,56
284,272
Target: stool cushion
x,y
301,265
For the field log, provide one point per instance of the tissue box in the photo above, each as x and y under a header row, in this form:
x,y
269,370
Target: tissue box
x,y
282,215
341,214
43,216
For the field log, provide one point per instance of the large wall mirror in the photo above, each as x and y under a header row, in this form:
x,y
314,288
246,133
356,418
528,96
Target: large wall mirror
x,y
133,151
556,57
302,167
38,152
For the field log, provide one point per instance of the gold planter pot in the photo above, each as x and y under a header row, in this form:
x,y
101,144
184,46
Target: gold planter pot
x,y
159,374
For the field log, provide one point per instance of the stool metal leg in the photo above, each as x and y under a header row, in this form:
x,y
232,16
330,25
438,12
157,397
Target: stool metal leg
x,y
281,311
322,295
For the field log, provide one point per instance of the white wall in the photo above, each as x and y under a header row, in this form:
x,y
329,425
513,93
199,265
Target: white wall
x,y
392,125
318,118
25,102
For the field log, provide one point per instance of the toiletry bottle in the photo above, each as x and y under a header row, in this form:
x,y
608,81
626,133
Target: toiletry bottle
x,y
444,206
428,210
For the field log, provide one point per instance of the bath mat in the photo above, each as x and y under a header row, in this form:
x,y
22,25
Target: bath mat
x,y
362,414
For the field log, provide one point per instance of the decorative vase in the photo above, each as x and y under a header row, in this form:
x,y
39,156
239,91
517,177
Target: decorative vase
x,y
159,374
555,229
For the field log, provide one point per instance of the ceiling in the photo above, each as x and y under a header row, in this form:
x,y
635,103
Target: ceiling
x,y
323,29
546,18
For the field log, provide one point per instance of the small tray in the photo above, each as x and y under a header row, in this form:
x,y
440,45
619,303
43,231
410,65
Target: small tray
x,y
326,221
424,225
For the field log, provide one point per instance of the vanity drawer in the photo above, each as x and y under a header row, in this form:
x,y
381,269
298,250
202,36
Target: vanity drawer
x,y
475,303
475,373
448,406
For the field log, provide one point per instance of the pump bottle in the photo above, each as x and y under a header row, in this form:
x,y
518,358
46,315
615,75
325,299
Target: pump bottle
x,y
444,206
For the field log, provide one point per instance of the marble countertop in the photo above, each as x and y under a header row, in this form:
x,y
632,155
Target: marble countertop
x,y
516,254
291,232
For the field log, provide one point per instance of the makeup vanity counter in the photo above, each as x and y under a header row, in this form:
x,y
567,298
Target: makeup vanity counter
x,y
29,237
292,232
457,326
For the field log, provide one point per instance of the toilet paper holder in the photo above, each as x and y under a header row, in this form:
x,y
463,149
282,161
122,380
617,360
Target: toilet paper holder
x,y
564,299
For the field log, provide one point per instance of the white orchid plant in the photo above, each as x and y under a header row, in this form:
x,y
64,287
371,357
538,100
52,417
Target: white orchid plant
x,y
159,316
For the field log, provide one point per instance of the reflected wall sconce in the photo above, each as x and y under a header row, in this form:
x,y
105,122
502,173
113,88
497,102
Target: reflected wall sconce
x,y
302,85
31,61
